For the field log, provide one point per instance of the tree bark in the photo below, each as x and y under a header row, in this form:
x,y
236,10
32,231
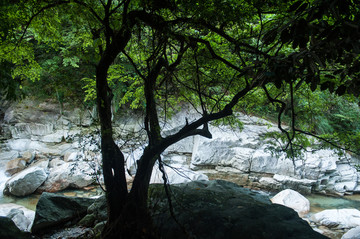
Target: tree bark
x,y
112,158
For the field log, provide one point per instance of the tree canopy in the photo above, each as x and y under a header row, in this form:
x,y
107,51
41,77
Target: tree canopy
x,y
218,55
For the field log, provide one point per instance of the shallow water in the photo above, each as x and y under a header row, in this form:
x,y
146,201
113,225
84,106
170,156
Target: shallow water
x,y
319,203
3,178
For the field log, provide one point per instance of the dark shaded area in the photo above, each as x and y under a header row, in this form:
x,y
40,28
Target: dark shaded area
x,y
54,211
8,230
220,209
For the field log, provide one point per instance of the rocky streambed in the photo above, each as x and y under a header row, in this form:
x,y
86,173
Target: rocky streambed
x,y
43,150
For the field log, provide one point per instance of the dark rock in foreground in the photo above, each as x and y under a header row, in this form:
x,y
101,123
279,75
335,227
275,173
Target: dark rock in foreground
x,y
220,209
55,210
204,209
8,230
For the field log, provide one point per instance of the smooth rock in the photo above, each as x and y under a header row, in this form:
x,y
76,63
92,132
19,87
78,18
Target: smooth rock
x,y
338,218
23,217
219,209
5,156
294,200
41,163
25,182
20,220
352,233
55,163
54,210
15,166
28,156
56,137
74,174
269,182
70,156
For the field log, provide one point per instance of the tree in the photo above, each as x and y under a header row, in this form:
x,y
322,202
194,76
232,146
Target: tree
x,y
211,53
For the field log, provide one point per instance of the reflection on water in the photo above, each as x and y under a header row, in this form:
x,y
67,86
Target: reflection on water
x,y
320,202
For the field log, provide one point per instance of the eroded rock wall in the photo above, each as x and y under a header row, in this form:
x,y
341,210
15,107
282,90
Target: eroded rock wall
x,y
242,156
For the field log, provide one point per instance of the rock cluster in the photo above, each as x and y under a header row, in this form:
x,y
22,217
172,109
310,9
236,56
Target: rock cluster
x,y
40,127
214,209
42,175
246,152
46,150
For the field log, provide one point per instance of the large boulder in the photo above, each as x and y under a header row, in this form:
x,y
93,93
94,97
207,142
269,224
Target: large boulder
x,y
74,174
292,199
338,218
26,181
54,210
220,209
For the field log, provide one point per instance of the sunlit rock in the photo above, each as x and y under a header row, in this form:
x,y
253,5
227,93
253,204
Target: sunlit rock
x,y
26,181
294,200
338,218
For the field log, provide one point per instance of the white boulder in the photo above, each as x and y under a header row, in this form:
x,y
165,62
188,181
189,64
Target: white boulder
x,y
26,181
338,218
22,217
352,233
74,174
294,200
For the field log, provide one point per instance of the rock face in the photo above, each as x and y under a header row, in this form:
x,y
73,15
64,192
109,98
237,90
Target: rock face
x,y
220,209
71,137
246,153
292,199
54,210
338,218
25,182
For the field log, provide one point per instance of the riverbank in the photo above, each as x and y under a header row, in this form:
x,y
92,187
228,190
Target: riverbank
x,y
62,142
